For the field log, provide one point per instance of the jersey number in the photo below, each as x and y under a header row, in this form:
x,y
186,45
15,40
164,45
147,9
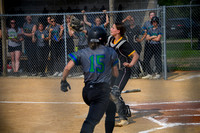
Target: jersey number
x,y
98,63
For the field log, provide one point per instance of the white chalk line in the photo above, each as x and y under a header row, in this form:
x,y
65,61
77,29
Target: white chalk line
x,y
30,102
129,103
159,103
162,122
167,110
189,77
164,125
171,116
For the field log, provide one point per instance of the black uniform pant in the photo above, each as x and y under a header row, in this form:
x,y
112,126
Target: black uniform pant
x,y
97,97
42,56
150,51
121,81
57,61
30,51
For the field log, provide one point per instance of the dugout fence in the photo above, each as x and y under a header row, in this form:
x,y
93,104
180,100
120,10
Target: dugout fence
x,y
180,39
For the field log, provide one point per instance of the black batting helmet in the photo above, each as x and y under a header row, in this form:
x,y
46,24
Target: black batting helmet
x,y
97,34
155,19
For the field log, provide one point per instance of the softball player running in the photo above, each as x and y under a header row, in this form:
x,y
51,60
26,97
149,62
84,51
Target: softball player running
x,y
127,58
99,64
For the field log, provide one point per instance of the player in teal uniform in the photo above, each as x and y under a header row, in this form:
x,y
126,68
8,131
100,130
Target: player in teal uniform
x,y
99,64
153,48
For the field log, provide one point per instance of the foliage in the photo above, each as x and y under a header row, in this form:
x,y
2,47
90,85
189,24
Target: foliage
x,y
173,2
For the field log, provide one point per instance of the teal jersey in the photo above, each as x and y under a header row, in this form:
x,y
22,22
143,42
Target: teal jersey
x,y
154,32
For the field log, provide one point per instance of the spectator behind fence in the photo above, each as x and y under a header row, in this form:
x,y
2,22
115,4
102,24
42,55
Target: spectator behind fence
x,y
82,39
56,48
15,38
41,38
97,20
69,35
69,42
153,48
49,23
30,47
147,25
81,35
132,32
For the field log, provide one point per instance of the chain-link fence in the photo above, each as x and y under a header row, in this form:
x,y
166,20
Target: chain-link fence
x,y
183,34
46,39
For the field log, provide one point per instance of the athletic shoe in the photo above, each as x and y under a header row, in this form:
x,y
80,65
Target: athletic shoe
x,y
157,76
148,76
33,74
60,74
121,123
134,76
43,74
55,74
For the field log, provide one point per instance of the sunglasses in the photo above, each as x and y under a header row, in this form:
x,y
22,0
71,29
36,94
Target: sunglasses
x,y
12,22
53,21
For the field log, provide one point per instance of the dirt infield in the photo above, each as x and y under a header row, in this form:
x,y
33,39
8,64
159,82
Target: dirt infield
x,y
36,105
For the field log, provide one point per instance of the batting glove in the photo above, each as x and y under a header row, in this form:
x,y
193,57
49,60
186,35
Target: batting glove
x,y
64,86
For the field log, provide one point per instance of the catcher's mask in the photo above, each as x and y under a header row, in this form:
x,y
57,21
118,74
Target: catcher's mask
x,y
155,19
97,35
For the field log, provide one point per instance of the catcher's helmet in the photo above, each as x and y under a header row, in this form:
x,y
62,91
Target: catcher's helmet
x,y
155,19
97,34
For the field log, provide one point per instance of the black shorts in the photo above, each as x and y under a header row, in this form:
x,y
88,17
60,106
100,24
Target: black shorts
x,y
12,49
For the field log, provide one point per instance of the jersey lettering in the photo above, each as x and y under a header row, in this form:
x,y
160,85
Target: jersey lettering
x,y
100,66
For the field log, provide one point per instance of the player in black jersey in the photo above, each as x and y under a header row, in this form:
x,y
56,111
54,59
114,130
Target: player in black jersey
x,y
99,64
127,58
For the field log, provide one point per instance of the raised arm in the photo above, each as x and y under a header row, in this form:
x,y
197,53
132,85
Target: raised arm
x,y
107,18
49,37
85,19
127,18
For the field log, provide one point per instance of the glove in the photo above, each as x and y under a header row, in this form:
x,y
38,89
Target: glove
x,y
64,86
75,24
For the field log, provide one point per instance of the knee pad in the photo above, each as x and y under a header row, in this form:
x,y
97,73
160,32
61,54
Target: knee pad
x,y
114,93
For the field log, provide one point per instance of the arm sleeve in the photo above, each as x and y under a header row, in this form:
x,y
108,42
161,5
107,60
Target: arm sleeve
x,y
127,49
75,57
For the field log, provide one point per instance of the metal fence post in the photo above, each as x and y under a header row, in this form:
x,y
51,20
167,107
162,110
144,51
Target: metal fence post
x,y
164,41
65,39
191,24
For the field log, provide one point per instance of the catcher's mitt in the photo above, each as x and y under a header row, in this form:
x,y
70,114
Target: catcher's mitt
x,y
76,24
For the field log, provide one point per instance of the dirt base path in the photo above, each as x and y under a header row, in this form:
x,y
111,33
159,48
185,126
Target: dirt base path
x,y
36,105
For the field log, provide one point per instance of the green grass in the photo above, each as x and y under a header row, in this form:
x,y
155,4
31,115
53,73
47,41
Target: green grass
x,y
182,50
180,56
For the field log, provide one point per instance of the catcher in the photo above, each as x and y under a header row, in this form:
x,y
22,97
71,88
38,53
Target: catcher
x,y
99,64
